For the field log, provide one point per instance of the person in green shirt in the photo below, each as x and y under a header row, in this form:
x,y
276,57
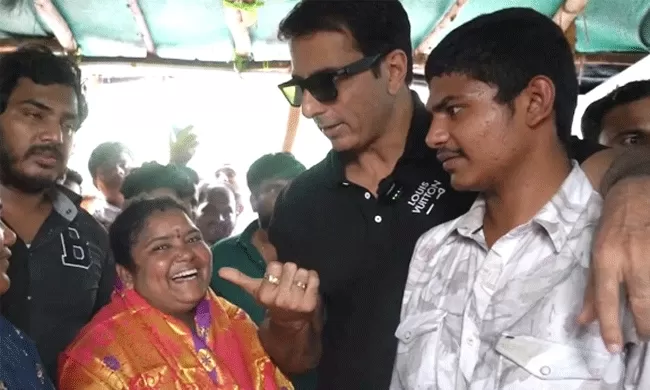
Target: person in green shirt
x,y
250,251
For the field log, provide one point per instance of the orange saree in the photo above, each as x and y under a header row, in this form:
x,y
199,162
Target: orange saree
x,y
131,345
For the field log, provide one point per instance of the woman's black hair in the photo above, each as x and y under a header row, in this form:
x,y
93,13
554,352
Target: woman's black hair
x,y
128,225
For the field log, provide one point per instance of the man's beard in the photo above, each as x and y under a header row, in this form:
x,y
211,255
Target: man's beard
x,y
12,177
264,221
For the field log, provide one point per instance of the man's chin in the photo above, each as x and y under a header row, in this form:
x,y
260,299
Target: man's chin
x,y
29,184
465,184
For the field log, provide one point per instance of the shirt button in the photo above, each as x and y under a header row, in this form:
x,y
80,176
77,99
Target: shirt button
x,y
29,297
470,341
545,370
367,195
378,218
407,336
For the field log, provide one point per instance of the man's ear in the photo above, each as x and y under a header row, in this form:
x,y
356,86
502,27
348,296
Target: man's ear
x,y
541,101
396,64
125,276
253,200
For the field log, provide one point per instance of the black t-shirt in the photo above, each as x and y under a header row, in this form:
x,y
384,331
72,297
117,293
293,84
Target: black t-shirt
x,y
61,279
361,247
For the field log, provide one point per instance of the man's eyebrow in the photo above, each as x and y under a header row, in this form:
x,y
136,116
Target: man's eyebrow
x,y
36,104
42,106
444,102
319,71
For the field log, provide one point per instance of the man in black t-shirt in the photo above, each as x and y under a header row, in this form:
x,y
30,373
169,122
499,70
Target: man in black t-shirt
x,y
61,269
345,229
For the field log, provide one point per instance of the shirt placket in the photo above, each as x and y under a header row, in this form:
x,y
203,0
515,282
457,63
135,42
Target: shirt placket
x,y
488,281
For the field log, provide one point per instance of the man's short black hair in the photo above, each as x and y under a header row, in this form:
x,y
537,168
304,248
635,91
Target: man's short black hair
x,y
376,26
281,165
152,176
73,176
39,64
507,49
105,153
592,119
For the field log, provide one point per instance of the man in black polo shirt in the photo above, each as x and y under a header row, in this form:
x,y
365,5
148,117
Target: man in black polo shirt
x,y
61,269
346,228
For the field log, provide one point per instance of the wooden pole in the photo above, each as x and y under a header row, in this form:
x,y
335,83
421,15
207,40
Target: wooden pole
x,y
51,16
425,47
292,129
566,15
143,27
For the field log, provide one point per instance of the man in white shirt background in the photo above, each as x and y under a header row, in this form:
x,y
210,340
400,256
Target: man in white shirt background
x,y
492,297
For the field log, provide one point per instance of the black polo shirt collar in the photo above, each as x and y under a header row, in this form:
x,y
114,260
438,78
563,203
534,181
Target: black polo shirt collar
x,y
415,148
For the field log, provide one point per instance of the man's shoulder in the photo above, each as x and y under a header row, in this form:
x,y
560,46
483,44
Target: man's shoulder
x,y
316,176
5,327
308,186
225,245
430,241
89,222
90,229
13,336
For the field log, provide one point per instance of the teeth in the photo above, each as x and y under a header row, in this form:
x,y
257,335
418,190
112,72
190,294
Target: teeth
x,y
186,273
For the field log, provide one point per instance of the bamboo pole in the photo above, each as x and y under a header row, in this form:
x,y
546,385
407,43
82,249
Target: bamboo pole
x,y
292,129
566,15
51,16
425,47
143,27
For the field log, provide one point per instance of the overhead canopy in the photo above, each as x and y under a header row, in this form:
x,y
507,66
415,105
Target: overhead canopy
x,y
199,29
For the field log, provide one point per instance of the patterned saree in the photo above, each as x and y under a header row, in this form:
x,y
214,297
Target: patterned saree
x,y
131,345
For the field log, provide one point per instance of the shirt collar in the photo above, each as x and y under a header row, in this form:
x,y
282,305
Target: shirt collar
x,y
246,237
557,217
415,148
65,202
245,240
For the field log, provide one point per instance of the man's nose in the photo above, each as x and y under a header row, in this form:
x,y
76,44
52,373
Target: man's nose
x,y
438,134
51,132
8,237
311,107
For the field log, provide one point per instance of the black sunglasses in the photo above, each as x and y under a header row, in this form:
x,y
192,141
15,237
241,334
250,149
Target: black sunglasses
x,y
322,85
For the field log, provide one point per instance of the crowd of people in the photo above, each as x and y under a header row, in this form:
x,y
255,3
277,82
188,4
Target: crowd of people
x,y
465,242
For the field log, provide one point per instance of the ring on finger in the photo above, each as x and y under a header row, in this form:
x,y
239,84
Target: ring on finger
x,y
274,280
301,285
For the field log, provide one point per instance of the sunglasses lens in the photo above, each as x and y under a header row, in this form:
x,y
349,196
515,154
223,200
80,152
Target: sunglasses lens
x,y
325,92
293,94
321,87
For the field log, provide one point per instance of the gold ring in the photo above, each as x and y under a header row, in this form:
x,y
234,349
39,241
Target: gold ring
x,y
274,280
301,285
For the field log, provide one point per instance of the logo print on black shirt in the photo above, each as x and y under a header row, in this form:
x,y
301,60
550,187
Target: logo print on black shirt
x,y
423,199
74,252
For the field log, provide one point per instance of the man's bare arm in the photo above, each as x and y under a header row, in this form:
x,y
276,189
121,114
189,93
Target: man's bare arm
x,y
293,325
294,348
627,163
597,167
622,242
